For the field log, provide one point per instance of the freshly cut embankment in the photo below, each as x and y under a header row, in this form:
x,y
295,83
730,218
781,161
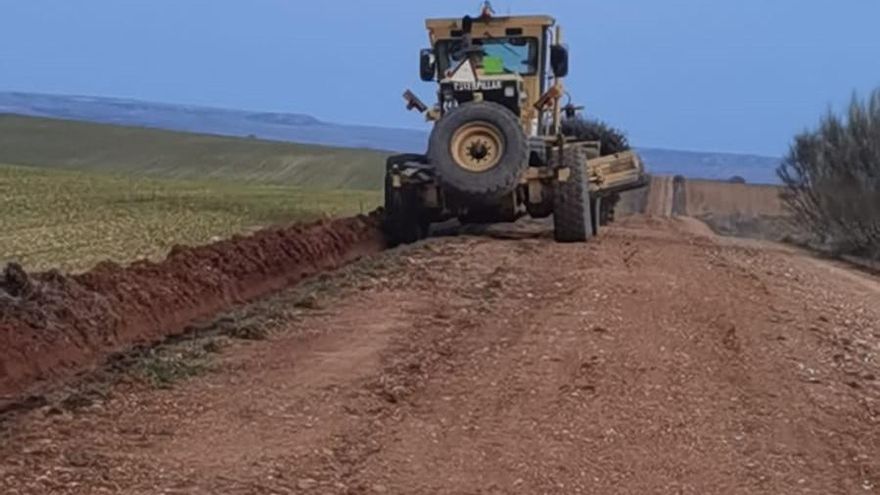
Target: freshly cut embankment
x,y
53,325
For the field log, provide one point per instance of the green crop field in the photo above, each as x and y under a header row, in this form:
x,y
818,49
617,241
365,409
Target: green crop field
x,y
144,152
81,193
72,220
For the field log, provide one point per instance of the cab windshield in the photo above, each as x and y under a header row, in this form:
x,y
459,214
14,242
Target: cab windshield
x,y
517,54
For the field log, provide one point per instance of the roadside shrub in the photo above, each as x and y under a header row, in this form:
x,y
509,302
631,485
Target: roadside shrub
x,y
613,139
832,181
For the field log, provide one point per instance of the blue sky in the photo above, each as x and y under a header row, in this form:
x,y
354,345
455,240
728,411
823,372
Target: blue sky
x,y
738,76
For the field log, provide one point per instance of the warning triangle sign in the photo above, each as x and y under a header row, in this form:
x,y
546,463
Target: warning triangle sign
x,y
464,73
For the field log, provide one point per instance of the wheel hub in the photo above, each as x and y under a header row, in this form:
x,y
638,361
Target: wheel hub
x,y
477,147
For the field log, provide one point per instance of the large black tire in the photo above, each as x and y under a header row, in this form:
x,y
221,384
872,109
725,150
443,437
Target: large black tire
x,y
595,214
404,219
479,185
572,220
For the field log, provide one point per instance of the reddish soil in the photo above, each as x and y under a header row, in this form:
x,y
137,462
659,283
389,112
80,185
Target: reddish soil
x,y
655,359
52,325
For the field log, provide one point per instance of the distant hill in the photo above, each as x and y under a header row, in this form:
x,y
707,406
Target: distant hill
x,y
82,146
204,120
716,166
306,129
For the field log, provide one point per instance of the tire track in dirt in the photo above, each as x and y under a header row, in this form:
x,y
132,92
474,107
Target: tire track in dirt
x,y
602,400
649,361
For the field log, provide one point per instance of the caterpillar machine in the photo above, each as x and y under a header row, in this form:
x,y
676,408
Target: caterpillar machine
x,y
497,150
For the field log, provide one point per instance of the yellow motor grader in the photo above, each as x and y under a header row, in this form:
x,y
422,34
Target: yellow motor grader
x,y
497,150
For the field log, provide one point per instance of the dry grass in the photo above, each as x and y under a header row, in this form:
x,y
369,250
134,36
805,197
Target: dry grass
x,y
741,210
726,198
73,220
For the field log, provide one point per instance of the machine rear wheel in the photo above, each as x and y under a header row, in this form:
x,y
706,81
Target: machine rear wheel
x,y
399,160
404,222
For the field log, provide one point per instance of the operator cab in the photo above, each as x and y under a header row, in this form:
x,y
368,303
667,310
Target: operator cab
x,y
507,60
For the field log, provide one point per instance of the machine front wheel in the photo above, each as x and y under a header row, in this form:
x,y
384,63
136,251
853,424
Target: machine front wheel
x,y
572,218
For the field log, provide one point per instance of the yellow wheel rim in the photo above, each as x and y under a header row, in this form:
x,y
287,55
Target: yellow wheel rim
x,y
477,146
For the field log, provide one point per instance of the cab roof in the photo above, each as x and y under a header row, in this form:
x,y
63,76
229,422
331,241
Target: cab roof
x,y
519,20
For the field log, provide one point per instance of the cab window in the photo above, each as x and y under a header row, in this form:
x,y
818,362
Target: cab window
x,y
518,55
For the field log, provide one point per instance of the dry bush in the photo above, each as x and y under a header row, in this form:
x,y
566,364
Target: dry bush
x,y
832,181
613,139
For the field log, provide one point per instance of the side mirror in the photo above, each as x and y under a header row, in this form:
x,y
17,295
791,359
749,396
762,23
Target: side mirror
x,y
427,65
467,25
559,60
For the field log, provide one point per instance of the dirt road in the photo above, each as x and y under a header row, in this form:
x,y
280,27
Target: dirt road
x,y
654,360
661,196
